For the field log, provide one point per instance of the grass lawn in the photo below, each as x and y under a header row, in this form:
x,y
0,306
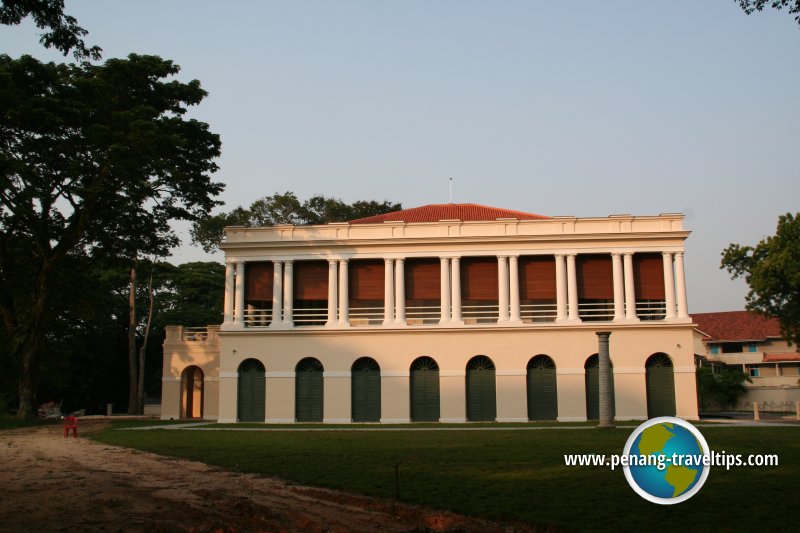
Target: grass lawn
x,y
507,475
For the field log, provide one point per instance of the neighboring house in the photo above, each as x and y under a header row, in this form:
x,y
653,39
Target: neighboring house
x,y
752,343
450,312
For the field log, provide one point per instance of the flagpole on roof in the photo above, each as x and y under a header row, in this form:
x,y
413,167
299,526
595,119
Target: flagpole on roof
x,y
451,190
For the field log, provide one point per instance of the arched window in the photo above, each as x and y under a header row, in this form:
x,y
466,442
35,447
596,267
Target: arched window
x,y
424,385
309,386
366,390
660,378
542,395
251,391
481,394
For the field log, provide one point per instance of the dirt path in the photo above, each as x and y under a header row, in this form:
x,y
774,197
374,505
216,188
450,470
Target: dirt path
x,y
54,484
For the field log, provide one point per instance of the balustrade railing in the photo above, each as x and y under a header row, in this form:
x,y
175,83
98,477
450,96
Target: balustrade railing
x,y
651,309
366,316
255,317
537,312
596,311
480,314
422,315
310,316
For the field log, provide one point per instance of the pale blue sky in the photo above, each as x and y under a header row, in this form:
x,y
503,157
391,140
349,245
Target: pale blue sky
x,y
579,108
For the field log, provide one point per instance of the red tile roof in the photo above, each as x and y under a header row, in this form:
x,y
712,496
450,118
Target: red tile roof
x,y
775,357
736,326
437,212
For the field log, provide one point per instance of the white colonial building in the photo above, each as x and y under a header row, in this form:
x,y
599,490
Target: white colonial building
x,y
452,313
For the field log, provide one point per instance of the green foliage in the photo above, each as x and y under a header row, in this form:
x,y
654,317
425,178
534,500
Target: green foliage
x,y
751,6
507,475
95,161
64,33
285,209
772,271
720,389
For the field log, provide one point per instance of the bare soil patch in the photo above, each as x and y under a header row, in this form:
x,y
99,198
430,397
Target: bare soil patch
x,y
51,483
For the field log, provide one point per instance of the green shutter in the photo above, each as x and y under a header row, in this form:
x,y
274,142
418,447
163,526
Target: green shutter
x,y
424,390
309,391
542,395
251,391
366,391
481,393
660,386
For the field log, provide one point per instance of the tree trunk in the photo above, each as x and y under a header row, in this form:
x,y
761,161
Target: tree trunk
x,y
26,350
133,357
143,349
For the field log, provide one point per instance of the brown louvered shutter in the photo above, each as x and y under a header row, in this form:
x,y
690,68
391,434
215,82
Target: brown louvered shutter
x,y
310,280
648,276
423,279
479,278
595,279
537,278
366,279
258,281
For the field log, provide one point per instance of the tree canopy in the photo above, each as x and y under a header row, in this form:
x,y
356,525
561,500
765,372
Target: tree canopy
x,y
751,6
63,33
771,269
285,209
94,160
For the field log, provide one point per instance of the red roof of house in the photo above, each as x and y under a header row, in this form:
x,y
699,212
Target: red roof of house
x,y
736,326
775,357
437,212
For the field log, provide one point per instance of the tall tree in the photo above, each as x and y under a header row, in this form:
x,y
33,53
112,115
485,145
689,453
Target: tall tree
x,y
285,209
63,32
92,158
751,6
771,269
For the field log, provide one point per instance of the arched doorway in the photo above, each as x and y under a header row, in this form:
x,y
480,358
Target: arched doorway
x,y
481,396
424,390
542,394
660,386
366,390
592,368
309,385
252,390
192,392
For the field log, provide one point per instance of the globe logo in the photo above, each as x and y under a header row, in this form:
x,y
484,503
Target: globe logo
x,y
669,460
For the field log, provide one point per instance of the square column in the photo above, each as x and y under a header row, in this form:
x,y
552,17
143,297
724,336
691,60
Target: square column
x,y
332,293
227,317
277,290
455,290
288,293
400,292
561,289
388,291
238,317
630,289
619,290
344,294
502,289
680,286
444,284
572,289
669,285
513,271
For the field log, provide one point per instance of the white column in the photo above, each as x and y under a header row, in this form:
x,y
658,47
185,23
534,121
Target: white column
x,y
444,283
400,291
238,317
388,291
277,290
288,293
561,289
344,294
332,293
630,290
572,289
669,285
680,286
619,290
455,284
227,317
513,270
502,289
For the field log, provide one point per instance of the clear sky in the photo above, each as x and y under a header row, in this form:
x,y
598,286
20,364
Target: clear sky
x,y
578,108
